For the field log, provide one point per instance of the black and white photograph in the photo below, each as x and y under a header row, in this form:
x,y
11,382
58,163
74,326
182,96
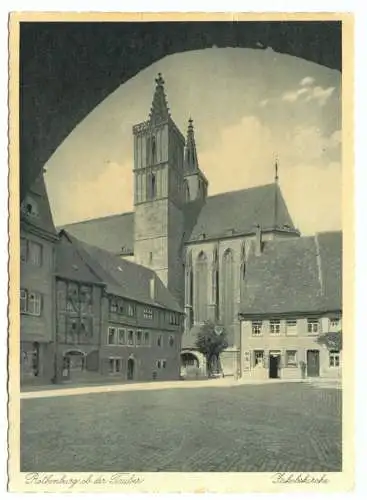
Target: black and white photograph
x,y
178,245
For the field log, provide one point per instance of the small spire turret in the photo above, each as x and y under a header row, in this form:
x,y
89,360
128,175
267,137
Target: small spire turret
x,y
191,163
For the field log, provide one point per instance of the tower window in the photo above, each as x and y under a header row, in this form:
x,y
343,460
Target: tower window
x,y
154,150
187,191
153,186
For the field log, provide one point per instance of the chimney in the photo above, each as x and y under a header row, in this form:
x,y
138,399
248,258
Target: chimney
x,y
258,240
152,288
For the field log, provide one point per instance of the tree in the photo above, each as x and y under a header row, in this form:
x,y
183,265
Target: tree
x,y
332,340
211,341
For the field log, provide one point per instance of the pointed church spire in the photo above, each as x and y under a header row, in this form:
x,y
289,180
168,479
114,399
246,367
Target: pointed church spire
x,y
276,170
159,111
276,180
191,163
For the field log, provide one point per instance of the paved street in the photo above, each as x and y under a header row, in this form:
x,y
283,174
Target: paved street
x,y
270,427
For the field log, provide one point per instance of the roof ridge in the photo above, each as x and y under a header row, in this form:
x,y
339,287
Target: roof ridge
x,y
77,249
241,190
112,255
331,231
111,216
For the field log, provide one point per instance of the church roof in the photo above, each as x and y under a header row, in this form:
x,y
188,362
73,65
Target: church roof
x,y
114,233
240,211
237,210
295,275
121,277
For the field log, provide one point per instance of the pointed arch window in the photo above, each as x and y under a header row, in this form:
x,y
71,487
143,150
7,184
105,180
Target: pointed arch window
x,y
228,287
243,260
154,150
201,289
151,186
215,276
187,191
189,279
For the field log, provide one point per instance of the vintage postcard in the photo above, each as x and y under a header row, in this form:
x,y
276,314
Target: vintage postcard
x,y
181,252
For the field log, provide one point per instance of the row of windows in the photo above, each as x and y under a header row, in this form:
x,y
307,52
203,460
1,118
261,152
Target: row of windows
x,y
31,252
313,326
30,302
75,325
121,336
122,307
291,359
116,365
73,297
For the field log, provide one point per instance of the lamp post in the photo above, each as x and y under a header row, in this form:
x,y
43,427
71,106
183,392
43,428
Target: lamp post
x,y
218,330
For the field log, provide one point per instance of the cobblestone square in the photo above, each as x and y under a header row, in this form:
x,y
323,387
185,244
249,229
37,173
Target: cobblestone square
x,y
262,428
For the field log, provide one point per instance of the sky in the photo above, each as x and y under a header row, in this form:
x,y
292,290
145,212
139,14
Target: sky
x,y
248,106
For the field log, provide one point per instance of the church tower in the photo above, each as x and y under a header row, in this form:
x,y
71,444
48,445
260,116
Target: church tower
x,y
195,183
159,194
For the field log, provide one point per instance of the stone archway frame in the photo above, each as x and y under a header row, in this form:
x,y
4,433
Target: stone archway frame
x,y
199,356
57,97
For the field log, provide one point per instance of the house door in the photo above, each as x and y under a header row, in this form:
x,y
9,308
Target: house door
x,y
313,363
130,369
274,362
73,365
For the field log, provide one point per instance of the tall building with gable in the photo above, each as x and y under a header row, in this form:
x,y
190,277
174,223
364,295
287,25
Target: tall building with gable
x,y
38,238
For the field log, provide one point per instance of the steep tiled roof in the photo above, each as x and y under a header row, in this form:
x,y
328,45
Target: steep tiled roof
x,y
111,233
238,210
70,265
295,275
330,248
42,220
124,278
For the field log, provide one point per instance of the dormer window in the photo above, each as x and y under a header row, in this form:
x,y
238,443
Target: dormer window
x,y
30,208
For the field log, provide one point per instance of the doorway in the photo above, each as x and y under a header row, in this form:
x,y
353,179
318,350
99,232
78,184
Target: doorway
x,y
73,365
274,364
313,363
130,369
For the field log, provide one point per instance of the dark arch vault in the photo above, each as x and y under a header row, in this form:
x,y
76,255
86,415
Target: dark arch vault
x,y
66,69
